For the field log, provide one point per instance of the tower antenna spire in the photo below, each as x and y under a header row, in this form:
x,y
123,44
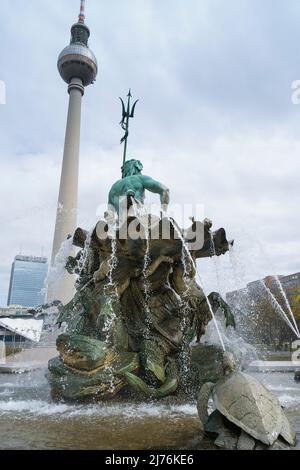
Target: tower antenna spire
x,y
81,16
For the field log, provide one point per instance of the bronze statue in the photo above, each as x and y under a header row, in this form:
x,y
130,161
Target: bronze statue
x,y
136,309
133,185
137,305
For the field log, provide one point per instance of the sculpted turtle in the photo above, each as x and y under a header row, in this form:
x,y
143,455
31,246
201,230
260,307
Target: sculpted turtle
x,y
247,415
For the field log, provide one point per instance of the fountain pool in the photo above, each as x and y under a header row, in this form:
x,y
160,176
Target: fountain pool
x,y
30,420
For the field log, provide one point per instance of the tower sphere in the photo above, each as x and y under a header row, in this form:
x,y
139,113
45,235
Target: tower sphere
x,y
77,60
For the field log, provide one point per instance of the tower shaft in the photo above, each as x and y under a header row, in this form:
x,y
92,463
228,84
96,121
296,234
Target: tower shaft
x,y
66,216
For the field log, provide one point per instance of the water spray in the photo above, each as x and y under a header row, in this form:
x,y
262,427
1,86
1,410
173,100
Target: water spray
x,y
280,309
284,296
199,280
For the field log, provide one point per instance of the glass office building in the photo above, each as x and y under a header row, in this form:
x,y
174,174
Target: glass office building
x,y
28,275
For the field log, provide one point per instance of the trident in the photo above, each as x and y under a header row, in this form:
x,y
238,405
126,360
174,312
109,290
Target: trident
x,y
126,115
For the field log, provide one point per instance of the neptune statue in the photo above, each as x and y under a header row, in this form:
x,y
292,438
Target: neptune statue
x,y
133,185
137,305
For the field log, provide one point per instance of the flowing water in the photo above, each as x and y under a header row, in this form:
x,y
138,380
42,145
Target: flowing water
x,y
57,271
287,303
147,263
277,307
241,267
215,261
84,256
30,420
112,298
188,254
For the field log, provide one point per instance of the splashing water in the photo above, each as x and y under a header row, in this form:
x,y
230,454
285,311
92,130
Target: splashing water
x,y
84,257
236,267
199,279
284,296
57,271
113,262
239,265
147,262
241,349
211,312
139,211
185,358
239,277
111,315
111,285
214,257
279,309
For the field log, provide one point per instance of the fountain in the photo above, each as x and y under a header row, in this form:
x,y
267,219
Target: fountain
x,y
138,305
141,340
134,330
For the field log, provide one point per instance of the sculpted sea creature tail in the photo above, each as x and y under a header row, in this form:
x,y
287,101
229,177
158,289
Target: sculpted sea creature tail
x,y
217,301
169,386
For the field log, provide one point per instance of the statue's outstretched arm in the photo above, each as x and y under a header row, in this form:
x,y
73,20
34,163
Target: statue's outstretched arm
x,y
158,188
103,271
156,263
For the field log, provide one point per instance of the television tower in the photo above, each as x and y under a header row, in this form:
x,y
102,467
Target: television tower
x,y
77,66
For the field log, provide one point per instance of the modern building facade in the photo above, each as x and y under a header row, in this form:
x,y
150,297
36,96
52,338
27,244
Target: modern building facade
x,y
14,311
6,334
289,283
27,280
77,66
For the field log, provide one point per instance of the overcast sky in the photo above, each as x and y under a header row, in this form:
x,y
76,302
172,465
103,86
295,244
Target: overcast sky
x,y
215,121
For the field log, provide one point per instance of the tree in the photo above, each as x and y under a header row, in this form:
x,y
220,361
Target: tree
x,y
294,295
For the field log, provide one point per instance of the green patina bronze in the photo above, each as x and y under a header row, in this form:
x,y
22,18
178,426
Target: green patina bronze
x,y
133,185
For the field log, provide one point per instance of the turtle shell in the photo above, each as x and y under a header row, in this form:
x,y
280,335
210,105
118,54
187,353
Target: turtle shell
x,y
244,401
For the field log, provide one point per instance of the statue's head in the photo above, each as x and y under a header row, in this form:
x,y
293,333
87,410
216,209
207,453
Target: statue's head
x,y
131,167
228,363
